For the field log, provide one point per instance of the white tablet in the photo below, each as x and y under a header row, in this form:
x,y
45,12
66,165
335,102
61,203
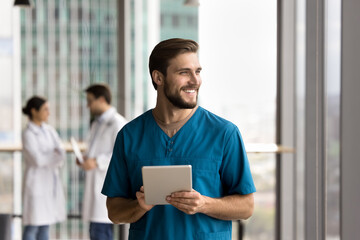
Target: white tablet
x,y
161,181
76,150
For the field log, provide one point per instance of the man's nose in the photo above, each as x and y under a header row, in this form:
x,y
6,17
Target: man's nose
x,y
195,78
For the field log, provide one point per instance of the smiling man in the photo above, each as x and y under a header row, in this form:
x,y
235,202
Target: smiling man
x,y
177,132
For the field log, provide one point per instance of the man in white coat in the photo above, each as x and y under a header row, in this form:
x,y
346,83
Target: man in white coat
x,y
104,128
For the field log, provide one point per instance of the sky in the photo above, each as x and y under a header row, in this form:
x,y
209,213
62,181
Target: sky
x,y
238,56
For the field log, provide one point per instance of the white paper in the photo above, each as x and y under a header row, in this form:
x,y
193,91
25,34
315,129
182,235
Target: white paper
x,y
76,150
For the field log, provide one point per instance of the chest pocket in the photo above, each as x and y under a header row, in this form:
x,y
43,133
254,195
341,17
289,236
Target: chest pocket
x,y
206,176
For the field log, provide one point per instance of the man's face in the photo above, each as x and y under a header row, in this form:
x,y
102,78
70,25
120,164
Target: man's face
x,y
93,104
182,83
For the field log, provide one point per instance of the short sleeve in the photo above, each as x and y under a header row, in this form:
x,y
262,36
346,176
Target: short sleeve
x,y
235,170
117,182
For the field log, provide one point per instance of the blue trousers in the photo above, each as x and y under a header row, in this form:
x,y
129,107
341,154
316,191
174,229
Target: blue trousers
x,y
101,231
36,232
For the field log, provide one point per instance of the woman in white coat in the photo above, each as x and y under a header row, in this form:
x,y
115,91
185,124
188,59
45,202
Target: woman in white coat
x,y
43,196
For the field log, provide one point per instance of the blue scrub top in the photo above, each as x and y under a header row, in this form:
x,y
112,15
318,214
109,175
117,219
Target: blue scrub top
x,y
214,148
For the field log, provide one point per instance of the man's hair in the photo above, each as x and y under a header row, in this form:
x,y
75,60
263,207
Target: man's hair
x,y
166,50
100,90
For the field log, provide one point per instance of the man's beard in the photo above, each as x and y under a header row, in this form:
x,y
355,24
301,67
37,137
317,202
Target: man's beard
x,y
177,100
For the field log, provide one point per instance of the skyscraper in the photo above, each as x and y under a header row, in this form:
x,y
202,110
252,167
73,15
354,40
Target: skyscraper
x,y
178,20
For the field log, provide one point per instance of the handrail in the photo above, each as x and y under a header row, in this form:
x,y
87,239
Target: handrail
x,y
250,148
268,148
69,216
18,147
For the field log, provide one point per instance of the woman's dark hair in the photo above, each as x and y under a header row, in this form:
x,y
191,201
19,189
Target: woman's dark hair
x,y
166,50
100,90
34,102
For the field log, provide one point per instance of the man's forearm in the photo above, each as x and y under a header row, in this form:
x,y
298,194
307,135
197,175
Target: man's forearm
x,y
232,207
123,210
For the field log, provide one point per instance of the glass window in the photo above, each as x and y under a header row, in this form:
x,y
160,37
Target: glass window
x,y
7,123
239,84
332,78
33,12
162,20
191,21
56,13
6,183
10,112
178,20
300,118
175,20
80,14
66,76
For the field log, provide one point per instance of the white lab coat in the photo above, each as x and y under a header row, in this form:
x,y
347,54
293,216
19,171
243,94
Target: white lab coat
x,y
43,195
100,144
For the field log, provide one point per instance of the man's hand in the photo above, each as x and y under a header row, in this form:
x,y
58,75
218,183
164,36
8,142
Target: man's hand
x,y
88,164
230,207
127,210
188,202
140,195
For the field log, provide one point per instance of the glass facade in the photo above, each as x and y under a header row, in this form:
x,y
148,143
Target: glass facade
x,y
178,20
238,56
138,57
68,45
59,47
65,47
7,133
174,20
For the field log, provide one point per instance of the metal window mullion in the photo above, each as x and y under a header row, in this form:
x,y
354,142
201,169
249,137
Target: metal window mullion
x,y
40,49
51,73
349,120
153,36
123,62
85,66
285,165
16,73
138,57
29,56
315,162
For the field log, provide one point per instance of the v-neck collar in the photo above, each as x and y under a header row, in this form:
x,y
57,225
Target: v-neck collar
x,y
183,126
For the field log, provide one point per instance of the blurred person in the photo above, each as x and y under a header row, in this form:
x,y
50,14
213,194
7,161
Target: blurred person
x,y
104,128
43,196
179,132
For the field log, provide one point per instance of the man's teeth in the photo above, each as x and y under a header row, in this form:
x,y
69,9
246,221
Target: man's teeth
x,y
190,90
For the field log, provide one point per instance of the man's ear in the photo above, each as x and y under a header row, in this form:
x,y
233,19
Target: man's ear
x,y
158,77
102,99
